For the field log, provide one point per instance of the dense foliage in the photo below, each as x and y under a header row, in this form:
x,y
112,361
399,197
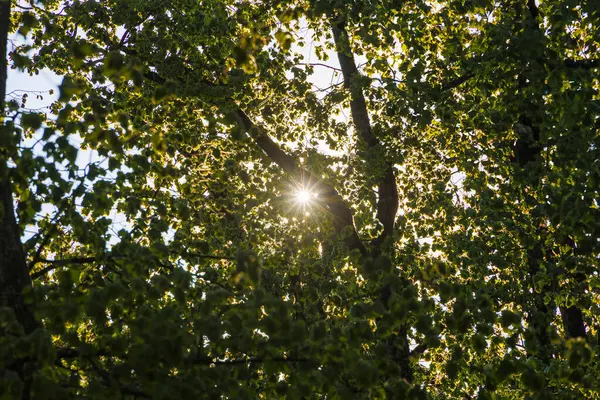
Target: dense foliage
x,y
153,242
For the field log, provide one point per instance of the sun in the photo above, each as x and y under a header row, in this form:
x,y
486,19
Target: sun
x,y
303,199
303,196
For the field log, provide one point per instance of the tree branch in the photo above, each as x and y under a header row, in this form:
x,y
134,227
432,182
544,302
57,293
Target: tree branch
x,y
387,204
569,63
343,220
288,163
583,64
417,351
70,353
533,9
320,65
210,257
358,106
67,261
457,82
255,360
341,212
54,264
14,275
111,381
45,239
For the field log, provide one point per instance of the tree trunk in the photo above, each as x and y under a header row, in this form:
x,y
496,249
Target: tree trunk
x,y
14,276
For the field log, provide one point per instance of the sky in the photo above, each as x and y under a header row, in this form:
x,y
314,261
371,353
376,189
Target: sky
x,y
19,83
42,91
38,87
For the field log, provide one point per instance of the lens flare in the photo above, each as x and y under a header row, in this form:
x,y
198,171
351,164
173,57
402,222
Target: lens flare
x,y
303,196
303,199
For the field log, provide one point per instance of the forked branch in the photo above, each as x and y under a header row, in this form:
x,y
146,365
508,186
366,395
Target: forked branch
x,y
343,221
387,204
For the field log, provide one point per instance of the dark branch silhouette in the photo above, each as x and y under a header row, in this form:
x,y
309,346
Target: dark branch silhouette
x,y
583,64
387,191
54,264
457,82
14,275
343,220
336,205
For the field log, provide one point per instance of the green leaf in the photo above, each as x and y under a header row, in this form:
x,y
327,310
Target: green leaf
x,y
32,121
285,39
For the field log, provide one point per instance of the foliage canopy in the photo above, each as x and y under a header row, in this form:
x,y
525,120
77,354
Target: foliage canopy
x,y
445,244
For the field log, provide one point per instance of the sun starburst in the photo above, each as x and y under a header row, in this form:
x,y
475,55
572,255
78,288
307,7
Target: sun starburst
x,y
303,196
303,199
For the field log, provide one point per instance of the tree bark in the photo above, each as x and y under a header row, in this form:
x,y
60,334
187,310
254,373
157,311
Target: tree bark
x,y
343,220
387,191
14,276
526,151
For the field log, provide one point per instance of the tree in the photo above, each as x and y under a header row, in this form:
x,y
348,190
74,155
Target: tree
x,y
444,244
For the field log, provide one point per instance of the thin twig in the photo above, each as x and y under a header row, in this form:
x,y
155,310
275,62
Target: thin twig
x,y
321,65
